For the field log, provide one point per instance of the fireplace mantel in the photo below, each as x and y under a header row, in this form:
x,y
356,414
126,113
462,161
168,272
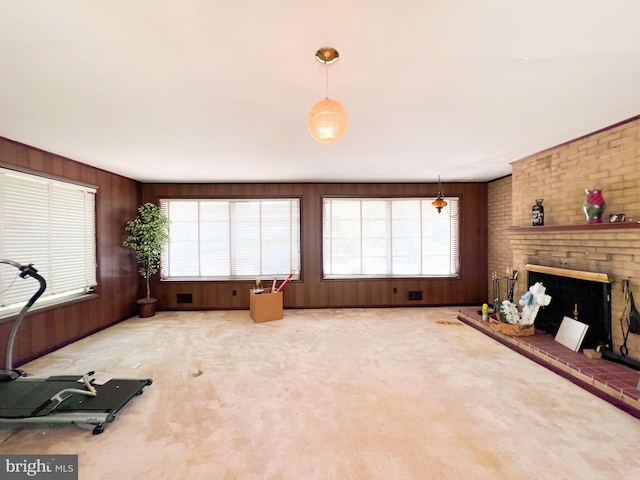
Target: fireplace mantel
x,y
565,272
565,228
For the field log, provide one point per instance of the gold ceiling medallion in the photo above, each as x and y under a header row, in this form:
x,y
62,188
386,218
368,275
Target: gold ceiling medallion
x,y
327,55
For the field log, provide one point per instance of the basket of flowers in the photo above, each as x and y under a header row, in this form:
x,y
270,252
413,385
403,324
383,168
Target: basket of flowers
x,y
521,323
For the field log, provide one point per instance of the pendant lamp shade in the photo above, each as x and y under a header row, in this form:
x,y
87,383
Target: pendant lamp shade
x,y
327,121
439,202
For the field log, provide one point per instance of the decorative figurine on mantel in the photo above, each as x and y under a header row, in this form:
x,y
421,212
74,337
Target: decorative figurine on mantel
x,y
537,213
594,205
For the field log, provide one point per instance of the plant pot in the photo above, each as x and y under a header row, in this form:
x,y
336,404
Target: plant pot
x,y
147,307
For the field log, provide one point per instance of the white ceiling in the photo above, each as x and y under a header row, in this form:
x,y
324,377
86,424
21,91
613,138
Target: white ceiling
x,y
219,91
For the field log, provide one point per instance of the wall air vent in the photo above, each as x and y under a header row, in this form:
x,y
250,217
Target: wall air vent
x,y
415,295
184,298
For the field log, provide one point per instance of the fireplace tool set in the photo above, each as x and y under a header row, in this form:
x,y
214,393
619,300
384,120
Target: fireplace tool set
x,y
510,278
629,323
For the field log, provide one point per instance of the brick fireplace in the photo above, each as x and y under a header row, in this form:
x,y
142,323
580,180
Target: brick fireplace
x,y
606,250
608,159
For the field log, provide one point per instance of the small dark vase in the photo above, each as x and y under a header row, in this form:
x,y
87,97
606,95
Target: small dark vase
x,y
594,205
537,213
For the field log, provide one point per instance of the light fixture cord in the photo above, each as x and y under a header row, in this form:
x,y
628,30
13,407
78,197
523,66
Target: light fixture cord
x,y
326,87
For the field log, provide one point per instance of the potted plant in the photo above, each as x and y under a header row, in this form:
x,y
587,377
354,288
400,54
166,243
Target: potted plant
x,y
148,233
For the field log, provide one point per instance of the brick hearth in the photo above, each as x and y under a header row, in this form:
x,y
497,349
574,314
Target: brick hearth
x,y
613,382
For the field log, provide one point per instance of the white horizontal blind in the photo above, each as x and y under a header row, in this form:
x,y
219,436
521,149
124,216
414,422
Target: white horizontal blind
x,y
389,237
51,225
224,239
440,238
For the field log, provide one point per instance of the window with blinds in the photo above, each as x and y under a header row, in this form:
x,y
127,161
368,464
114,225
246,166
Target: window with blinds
x,y
389,237
49,224
231,239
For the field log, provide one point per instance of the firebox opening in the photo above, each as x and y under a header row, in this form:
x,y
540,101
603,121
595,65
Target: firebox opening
x,y
587,293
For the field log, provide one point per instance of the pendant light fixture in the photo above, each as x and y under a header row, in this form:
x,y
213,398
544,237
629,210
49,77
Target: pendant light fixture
x,y
439,202
327,120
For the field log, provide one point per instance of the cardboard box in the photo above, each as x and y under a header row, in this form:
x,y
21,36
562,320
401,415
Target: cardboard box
x,y
264,307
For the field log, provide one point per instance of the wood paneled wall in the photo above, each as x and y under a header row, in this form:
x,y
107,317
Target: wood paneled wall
x,y
120,286
314,292
116,202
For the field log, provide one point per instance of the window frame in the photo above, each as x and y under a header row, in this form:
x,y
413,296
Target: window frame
x,y
56,293
457,258
234,278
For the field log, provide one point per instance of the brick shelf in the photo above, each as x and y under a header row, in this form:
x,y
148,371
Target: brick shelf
x,y
566,228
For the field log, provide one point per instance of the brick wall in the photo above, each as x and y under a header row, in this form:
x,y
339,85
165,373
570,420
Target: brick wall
x,y
500,206
609,159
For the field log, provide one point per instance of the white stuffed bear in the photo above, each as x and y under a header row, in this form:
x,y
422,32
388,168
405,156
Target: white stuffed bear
x,y
531,302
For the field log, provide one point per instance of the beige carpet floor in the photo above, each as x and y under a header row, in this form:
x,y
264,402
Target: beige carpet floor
x,y
407,393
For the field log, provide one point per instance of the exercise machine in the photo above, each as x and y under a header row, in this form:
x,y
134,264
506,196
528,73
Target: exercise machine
x,y
68,399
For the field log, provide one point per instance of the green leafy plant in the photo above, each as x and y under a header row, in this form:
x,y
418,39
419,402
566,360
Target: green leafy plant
x,y
149,232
